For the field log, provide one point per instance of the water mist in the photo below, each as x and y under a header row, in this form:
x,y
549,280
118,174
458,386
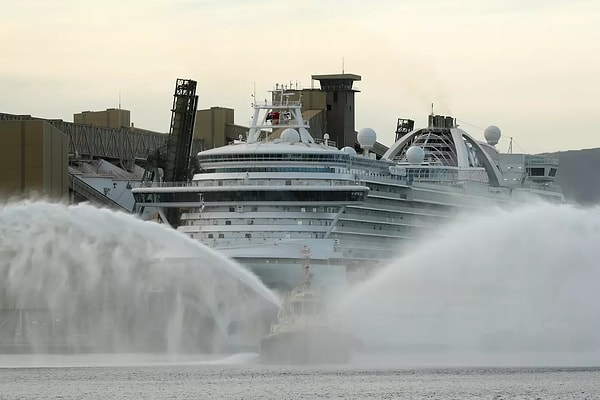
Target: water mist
x,y
522,282
83,279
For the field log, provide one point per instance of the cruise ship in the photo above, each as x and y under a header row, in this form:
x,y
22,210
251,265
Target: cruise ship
x,y
264,198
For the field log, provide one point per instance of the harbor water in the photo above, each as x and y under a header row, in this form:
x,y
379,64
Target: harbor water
x,y
243,377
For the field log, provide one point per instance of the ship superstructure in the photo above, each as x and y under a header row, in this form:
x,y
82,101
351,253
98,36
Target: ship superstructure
x,y
263,198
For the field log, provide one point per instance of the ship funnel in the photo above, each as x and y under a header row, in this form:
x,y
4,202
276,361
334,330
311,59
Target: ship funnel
x,y
441,122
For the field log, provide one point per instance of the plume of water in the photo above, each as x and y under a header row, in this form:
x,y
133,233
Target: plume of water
x,y
79,278
519,281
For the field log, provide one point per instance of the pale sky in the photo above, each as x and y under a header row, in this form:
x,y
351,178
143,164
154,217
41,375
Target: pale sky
x,y
530,67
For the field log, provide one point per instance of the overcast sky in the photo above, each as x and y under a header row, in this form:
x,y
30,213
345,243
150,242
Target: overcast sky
x,y
530,67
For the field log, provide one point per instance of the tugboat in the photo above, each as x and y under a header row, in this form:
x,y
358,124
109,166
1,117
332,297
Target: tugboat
x,y
302,333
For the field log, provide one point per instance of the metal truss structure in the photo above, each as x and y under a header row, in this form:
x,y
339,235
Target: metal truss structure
x,y
126,146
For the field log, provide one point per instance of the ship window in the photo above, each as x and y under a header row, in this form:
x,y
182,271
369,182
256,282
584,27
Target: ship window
x,y
221,236
227,222
210,235
248,235
552,171
536,172
254,208
231,209
328,107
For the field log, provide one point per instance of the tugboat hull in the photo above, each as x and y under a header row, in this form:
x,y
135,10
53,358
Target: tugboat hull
x,y
319,346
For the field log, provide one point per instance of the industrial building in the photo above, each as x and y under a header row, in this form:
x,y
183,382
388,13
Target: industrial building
x,y
33,159
64,161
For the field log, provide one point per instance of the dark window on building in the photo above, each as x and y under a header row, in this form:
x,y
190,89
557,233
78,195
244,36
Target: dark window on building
x,y
248,235
221,236
328,107
552,171
227,222
210,235
231,209
536,172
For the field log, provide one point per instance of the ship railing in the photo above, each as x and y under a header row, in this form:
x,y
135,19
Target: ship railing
x,y
431,174
251,182
168,184
265,157
327,142
280,182
545,186
440,174
277,104
541,160
356,177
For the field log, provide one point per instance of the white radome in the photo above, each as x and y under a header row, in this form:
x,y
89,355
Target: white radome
x,y
349,150
366,137
492,134
290,135
415,155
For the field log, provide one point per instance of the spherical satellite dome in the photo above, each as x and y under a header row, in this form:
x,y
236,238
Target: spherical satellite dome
x,y
492,134
290,135
415,155
366,138
349,150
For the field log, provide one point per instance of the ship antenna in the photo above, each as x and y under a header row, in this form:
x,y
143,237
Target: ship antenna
x,y
342,64
306,266
510,146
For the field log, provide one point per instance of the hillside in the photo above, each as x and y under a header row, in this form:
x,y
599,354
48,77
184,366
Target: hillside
x,y
579,175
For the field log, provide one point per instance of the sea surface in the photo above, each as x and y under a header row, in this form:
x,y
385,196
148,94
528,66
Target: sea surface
x,y
242,376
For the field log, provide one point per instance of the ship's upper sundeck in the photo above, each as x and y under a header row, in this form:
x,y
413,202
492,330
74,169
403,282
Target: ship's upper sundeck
x,y
271,147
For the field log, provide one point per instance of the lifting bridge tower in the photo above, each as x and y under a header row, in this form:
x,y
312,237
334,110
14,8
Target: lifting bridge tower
x,y
181,133
174,157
